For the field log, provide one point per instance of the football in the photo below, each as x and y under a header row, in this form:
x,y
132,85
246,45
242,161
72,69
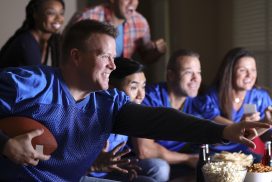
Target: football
x,y
14,126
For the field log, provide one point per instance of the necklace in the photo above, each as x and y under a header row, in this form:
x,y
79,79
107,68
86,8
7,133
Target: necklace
x,y
237,100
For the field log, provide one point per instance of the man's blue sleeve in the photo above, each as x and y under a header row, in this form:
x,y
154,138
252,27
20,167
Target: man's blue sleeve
x,y
7,100
8,94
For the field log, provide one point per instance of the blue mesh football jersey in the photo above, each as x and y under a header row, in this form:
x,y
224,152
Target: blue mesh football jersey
x,y
80,128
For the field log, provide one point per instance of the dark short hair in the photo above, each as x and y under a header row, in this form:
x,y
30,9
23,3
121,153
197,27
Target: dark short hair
x,y
125,67
180,53
78,33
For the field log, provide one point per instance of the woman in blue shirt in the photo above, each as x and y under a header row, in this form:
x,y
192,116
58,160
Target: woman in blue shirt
x,y
236,86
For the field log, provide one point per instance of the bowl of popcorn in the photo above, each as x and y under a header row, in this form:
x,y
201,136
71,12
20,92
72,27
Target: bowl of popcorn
x,y
234,157
259,173
224,172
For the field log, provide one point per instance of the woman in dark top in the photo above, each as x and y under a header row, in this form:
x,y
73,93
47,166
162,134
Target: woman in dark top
x,y
37,40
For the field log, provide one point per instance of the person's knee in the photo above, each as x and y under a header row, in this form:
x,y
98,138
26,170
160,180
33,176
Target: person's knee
x,y
163,170
158,169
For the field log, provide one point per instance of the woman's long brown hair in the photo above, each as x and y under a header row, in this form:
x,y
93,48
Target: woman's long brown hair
x,y
225,77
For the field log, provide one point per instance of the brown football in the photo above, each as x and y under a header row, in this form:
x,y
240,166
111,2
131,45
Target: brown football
x,y
14,126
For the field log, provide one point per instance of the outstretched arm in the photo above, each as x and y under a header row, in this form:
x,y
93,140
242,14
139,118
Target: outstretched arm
x,y
222,120
170,124
165,124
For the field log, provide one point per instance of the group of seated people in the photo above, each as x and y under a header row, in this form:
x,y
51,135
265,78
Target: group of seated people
x,y
86,62
236,79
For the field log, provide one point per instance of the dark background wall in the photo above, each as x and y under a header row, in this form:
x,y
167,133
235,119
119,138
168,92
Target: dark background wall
x,y
204,26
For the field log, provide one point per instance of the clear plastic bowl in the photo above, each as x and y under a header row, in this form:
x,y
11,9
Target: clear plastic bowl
x,y
220,172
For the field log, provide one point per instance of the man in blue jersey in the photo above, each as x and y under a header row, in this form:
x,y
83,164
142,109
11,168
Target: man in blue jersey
x,y
183,82
74,104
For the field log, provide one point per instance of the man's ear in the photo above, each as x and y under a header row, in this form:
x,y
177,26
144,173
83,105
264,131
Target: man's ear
x,y
75,56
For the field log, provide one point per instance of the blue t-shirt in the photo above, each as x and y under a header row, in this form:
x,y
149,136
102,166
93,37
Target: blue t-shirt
x,y
157,96
257,96
119,40
80,128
